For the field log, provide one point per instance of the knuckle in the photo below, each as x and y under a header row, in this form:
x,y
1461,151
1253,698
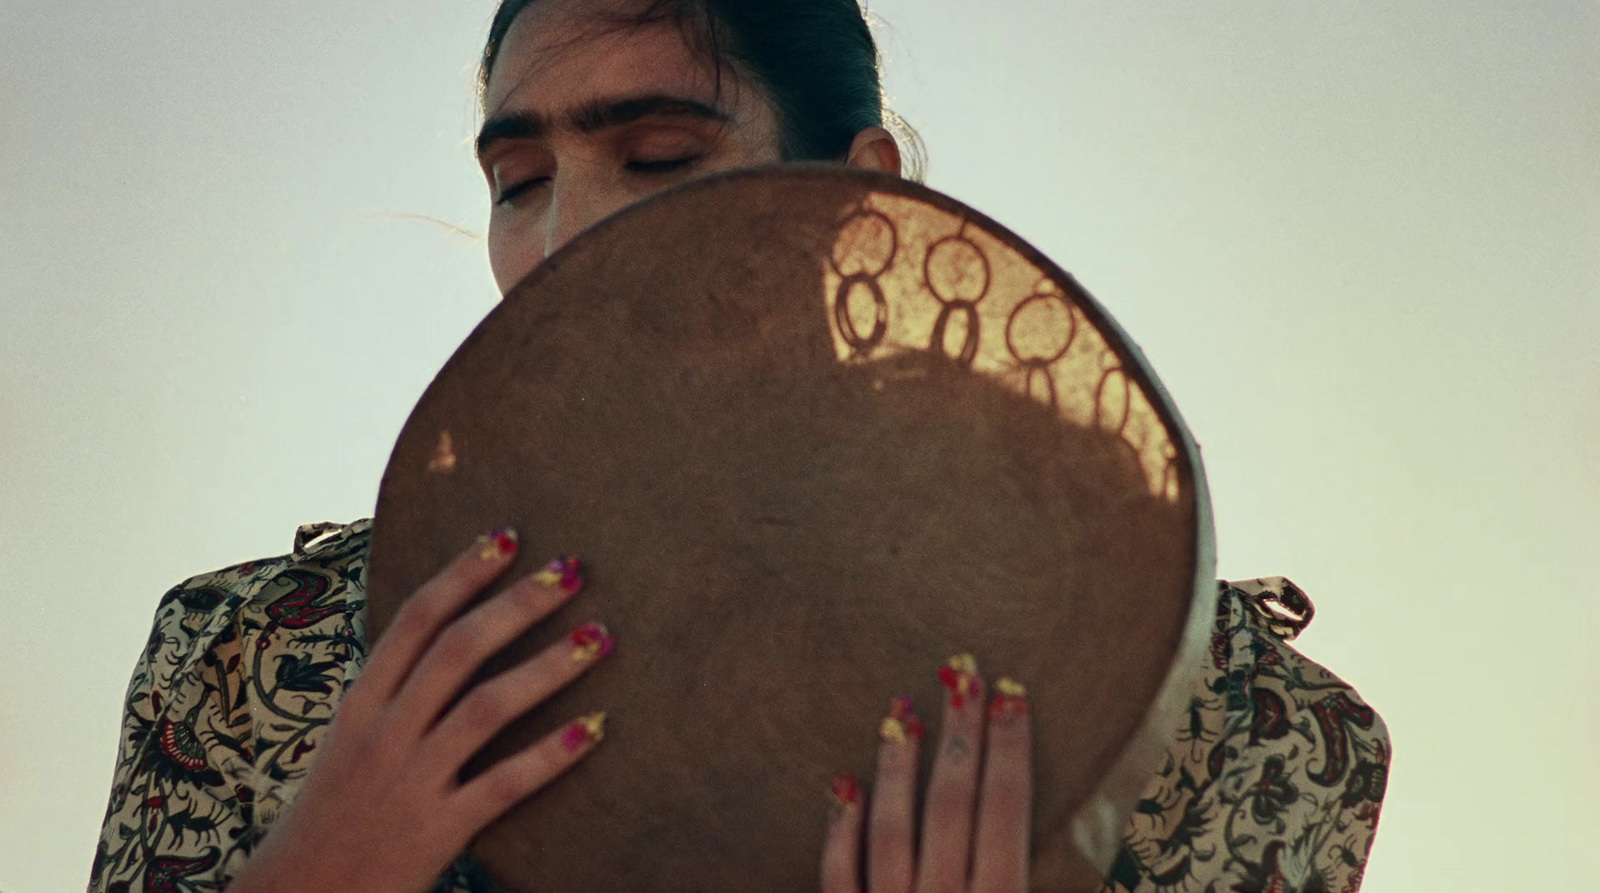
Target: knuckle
x,y
947,795
1007,793
1006,761
891,816
896,763
524,600
510,782
419,614
458,644
357,710
556,664
486,707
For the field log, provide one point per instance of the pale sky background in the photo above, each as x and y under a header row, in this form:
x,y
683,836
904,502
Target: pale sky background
x,y
1359,241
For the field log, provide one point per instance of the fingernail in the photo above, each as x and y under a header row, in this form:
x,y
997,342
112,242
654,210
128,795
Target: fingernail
x,y
584,731
591,641
845,791
959,676
1010,700
564,572
497,544
902,723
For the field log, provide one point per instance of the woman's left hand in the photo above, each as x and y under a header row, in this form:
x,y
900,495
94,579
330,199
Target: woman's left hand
x,y
974,837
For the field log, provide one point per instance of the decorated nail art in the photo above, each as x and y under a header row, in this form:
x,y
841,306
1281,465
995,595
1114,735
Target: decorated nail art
x,y
583,731
845,792
564,572
902,724
497,544
959,676
591,642
1010,699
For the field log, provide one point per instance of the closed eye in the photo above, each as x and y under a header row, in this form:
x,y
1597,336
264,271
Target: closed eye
x,y
511,193
647,168
665,166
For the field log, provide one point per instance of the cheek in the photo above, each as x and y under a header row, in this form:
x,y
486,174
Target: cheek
x,y
514,246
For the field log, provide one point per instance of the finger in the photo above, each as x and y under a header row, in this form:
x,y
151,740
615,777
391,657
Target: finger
x,y
430,608
891,858
841,847
485,710
952,791
515,778
458,651
1000,860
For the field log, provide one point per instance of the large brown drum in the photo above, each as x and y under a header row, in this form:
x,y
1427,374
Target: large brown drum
x,y
813,431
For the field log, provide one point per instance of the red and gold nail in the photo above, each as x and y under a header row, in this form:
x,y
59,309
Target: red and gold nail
x,y
902,724
583,731
564,572
1010,699
959,676
591,642
845,792
497,544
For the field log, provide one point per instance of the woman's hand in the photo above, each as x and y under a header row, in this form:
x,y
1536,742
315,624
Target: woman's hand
x,y
382,808
974,837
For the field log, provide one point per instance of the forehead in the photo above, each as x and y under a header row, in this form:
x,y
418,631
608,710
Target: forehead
x,y
560,53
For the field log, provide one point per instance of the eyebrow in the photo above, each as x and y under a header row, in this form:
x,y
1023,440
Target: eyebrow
x,y
595,115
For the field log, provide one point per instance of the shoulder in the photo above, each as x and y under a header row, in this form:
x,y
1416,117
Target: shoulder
x,y
321,576
220,593
1301,760
324,574
301,641
206,627
314,594
197,772
1281,706
193,613
1276,778
1256,622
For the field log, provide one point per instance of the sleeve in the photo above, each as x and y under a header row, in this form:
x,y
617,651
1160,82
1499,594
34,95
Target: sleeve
x,y
179,816
1307,764
1343,767
1274,782
1312,738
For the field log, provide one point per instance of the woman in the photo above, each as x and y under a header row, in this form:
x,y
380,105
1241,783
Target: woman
x,y
236,772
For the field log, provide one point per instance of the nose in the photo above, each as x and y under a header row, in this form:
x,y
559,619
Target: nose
x,y
577,203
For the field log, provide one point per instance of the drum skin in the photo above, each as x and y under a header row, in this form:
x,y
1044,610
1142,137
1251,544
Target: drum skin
x,y
813,431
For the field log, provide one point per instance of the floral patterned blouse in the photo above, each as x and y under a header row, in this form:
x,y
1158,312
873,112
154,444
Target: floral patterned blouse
x,y
1272,785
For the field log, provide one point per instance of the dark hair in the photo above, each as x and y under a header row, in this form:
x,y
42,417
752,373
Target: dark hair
x,y
816,60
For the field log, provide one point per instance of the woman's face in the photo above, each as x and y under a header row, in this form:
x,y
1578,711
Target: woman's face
x,y
583,120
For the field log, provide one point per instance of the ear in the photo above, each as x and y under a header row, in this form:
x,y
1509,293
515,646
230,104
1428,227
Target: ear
x,y
875,149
